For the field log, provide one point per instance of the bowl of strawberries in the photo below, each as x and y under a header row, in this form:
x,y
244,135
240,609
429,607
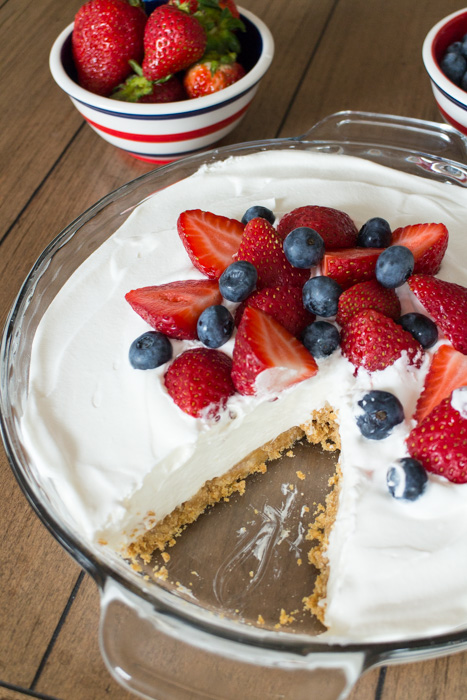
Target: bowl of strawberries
x,y
162,82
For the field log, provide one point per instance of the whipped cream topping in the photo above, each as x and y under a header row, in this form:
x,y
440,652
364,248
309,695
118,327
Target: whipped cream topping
x,y
111,446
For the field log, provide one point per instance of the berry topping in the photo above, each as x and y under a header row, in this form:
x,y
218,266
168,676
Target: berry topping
x,y
335,227
448,371
367,295
238,280
210,240
439,442
150,350
258,211
173,40
394,266
261,246
321,338
421,327
282,303
375,233
215,326
264,344
406,479
321,296
351,265
303,247
174,308
446,302
374,341
200,378
381,412
428,243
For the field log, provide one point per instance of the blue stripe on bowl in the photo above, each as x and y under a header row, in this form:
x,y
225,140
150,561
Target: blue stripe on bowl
x,y
450,97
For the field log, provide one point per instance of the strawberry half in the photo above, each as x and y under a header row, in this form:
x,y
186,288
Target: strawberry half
x,y
373,341
285,304
446,302
263,344
174,308
262,247
200,378
210,240
335,227
367,295
448,371
351,265
428,243
439,442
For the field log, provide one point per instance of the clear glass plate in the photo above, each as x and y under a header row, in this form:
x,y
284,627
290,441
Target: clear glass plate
x,y
211,629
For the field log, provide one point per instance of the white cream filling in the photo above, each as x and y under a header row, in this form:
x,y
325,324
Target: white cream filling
x,y
110,445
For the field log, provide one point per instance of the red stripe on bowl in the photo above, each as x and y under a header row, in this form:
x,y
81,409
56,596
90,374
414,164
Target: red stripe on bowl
x,y
453,122
168,138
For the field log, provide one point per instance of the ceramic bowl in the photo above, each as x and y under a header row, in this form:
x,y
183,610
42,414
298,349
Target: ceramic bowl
x,y
451,99
161,133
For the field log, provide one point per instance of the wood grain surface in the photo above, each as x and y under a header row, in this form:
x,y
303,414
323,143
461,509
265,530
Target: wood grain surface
x,y
330,55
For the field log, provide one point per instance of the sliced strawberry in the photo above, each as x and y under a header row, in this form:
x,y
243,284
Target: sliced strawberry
x,y
439,442
262,247
263,344
448,371
335,227
174,308
210,240
285,304
200,378
446,302
367,295
351,265
373,341
428,243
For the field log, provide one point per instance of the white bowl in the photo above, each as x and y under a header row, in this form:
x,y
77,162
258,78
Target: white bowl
x,y
161,133
451,99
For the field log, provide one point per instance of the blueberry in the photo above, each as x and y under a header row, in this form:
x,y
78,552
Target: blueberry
x,y
453,66
421,328
258,210
381,412
320,296
304,247
238,280
463,84
150,350
215,326
394,266
455,47
406,479
375,233
321,338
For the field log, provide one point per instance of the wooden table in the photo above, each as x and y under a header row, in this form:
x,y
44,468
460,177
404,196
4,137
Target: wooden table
x,y
330,55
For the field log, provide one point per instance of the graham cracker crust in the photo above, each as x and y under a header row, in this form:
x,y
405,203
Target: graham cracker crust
x,y
322,429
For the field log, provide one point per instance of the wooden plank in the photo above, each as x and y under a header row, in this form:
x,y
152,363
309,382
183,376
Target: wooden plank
x,y
441,679
369,59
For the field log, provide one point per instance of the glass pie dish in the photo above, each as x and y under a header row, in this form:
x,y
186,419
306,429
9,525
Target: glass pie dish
x,y
197,633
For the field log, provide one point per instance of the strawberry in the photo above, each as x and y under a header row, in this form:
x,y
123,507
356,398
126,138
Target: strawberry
x,y
335,227
373,341
137,88
439,442
282,303
351,265
207,77
446,302
106,35
173,40
263,344
198,379
174,308
367,295
210,240
428,243
261,246
448,371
